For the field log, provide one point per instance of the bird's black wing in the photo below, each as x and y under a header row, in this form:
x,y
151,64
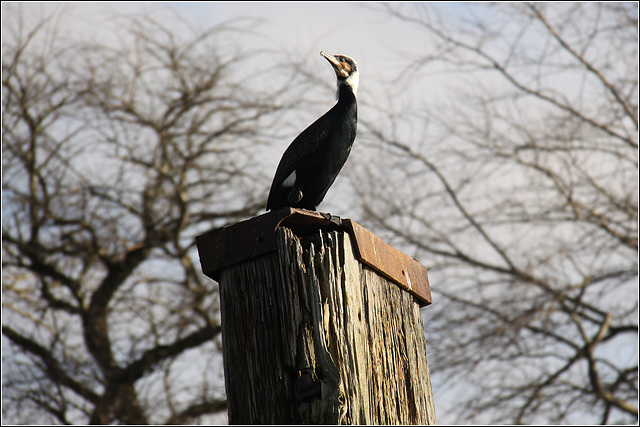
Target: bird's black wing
x,y
303,147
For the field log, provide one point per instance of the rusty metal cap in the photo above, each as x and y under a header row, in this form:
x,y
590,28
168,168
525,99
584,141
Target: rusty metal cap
x,y
246,240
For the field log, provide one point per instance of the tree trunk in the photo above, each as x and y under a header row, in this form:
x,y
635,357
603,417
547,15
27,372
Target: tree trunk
x,y
312,335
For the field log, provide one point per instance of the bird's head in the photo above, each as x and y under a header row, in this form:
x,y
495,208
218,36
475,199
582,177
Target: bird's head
x,y
346,70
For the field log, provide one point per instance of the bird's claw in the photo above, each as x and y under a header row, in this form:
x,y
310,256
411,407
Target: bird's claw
x,y
332,218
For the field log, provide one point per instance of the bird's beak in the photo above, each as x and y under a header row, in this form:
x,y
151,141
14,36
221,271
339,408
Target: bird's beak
x,y
342,69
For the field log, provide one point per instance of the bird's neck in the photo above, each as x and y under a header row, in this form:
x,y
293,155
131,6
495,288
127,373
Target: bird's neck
x,y
345,94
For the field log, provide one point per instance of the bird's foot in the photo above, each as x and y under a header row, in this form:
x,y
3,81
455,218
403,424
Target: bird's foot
x,y
332,218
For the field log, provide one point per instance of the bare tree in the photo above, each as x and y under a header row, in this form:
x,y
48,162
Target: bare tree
x,y
517,186
114,158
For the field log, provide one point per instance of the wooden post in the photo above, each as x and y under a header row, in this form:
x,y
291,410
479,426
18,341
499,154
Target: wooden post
x,y
314,331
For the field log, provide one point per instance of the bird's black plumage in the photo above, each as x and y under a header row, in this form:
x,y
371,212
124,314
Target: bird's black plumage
x,y
312,162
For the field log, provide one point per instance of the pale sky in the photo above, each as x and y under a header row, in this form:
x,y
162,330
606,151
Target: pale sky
x,y
357,29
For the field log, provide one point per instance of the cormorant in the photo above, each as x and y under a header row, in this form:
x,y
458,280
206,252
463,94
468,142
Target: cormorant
x,y
313,160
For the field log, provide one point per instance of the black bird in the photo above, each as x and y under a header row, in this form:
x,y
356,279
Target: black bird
x,y
313,160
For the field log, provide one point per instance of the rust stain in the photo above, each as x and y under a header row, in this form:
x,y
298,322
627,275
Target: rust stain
x,y
388,261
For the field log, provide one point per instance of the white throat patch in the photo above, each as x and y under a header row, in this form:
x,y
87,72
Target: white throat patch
x,y
354,81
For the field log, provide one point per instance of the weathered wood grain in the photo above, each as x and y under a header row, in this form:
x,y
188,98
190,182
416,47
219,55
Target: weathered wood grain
x,y
310,335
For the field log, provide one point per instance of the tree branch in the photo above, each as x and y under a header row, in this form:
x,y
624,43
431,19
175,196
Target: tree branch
x,y
55,372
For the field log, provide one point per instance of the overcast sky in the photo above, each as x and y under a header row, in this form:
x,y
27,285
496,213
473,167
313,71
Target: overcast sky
x,y
359,29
